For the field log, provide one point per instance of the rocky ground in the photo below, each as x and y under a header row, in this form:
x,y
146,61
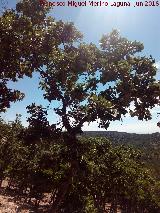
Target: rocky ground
x,y
10,203
7,205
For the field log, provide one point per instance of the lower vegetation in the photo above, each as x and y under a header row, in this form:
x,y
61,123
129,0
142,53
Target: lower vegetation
x,y
102,174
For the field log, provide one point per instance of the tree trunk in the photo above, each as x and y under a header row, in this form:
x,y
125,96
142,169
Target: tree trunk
x,y
70,141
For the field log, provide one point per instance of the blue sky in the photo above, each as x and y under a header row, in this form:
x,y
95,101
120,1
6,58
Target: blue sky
x,y
135,23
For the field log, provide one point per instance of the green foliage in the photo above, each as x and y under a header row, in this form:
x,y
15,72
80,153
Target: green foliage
x,y
94,82
100,82
91,83
104,175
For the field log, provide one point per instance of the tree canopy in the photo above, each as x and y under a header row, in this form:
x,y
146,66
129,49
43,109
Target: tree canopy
x,y
91,82
100,82
21,31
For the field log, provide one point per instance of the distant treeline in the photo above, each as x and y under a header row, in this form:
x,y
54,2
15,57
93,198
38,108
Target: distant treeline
x,y
133,139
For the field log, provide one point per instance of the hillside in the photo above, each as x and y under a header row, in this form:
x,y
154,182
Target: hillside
x,y
140,140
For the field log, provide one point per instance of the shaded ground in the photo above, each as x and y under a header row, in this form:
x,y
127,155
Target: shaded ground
x,y
10,202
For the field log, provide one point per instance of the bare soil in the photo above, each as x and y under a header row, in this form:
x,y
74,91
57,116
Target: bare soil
x,y
10,202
